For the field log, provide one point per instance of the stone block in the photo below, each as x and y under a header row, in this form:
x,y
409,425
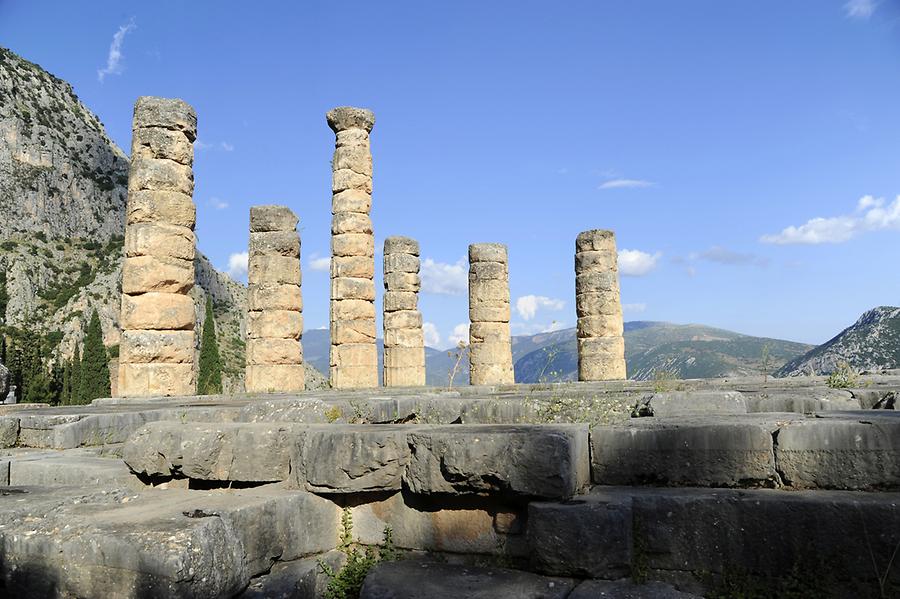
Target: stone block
x,y
352,289
488,271
492,352
142,347
157,311
595,240
601,303
489,312
155,142
357,158
168,207
354,377
352,331
488,252
351,200
144,274
351,222
358,267
679,403
352,309
403,338
350,117
352,137
274,351
628,589
549,461
160,240
298,579
602,348
9,431
599,326
354,354
77,470
402,281
489,332
273,270
353,244
165,113
156,379
279,324
401,263
274,378
602,369
400,300
491,374
275,243
404,319
404,357
596,261
596,282
407,376
272,217
274,296
345,178
397,244
153,174
489,290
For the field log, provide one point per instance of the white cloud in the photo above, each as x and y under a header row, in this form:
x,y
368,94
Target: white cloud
x,y
317,262
432,337
114,58
634,308
635,263
860,9
534,328
871,215
237,265
460,333
217,203
226,146
444,279
528,305
626,184
723,255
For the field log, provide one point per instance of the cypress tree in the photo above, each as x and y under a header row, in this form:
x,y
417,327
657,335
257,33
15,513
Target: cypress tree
x,y
65,392
209,377
94,381
75,377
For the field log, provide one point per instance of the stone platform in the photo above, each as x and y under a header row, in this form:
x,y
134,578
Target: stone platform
x,y
598,488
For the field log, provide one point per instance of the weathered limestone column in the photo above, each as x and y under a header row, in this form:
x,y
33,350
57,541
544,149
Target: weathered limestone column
x,y
601,347
157,348
404,341
274,303
490,346
354,358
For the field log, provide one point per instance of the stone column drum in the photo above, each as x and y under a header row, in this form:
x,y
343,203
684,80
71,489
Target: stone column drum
x,y
490,346
274,303
601,347
157,317
354,358
404,341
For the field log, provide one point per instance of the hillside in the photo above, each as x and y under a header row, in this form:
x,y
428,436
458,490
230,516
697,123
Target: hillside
x,y
871,343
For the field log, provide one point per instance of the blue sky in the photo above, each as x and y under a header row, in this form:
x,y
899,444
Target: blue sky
x,y
747,154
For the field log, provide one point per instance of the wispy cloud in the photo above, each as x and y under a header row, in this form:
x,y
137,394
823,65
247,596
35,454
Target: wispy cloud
x,y
626,184
317,262
226,146
237,265
460,333
723,255
432,337
114,58
528,305
217,203
634,308
534,328
860,9
635,263
872,214
441,278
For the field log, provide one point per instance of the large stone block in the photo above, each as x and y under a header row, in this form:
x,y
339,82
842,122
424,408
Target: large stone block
x,y
600,326
153,174
679,403
166,113
596,240
491,373
601,303
357,267
489,312
168,207
599,261
488,252
351,222
352,331
353,244
274,296
486,271
272,218
352,309
548,461
345,178
404,319
406,376
172,347
155,142
273,270
157,311
274,378
596,282
354,354
352,289
274,351
488,290
275,243
143,274
403,337
160,240
401,263
279,324
397,244
491,352
350,117
357,158
352,137
353,377
400,300
351,200
402,281
156,379
405,357
489,332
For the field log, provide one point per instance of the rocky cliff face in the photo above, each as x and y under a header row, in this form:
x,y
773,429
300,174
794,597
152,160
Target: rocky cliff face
x,y
871,343
63,190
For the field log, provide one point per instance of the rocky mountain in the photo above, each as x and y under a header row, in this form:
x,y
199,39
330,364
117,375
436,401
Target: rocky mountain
x,y
871,343
63,190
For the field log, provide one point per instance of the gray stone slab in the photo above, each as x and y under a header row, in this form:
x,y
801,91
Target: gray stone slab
x,y
876,398
802,401
677,403
550,461
299,579
626,589
9,431
60,469
414,579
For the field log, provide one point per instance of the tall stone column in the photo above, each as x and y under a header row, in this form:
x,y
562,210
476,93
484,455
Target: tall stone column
x,y
490,346
601,347
354,358
404,341
274,303
156,354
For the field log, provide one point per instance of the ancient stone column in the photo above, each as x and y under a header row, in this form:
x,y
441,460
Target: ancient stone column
x,y
274,303
157,348
490,346
404,341
354,358
601,347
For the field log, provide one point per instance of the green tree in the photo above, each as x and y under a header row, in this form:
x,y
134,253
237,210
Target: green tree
x,y
209,378
4,295
94,381
75,377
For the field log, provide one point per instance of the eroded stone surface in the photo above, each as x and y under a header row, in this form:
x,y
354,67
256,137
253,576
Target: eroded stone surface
x,y
490,345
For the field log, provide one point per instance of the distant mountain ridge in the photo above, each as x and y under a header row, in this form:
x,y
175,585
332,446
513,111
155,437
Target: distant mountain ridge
x,y
871,343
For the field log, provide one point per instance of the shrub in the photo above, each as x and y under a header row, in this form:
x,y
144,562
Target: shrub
x,y
843,376
347,582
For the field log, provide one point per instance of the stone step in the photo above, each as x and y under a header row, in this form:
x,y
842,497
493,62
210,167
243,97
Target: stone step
x,y
77,467
707,538
80,542
549,461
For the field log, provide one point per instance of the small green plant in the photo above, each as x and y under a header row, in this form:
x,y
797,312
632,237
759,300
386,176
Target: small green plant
x,y
460,352
843,376
347,582
333,414
550,354
665,380
765,362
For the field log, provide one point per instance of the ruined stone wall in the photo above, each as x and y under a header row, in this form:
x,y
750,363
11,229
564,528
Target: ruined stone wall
x,y
601,346
353,356
274,303
490,346
157,317
404,342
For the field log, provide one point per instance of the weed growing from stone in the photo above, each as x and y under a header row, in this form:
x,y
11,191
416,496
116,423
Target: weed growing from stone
x,y
843,377
347,582
460,351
